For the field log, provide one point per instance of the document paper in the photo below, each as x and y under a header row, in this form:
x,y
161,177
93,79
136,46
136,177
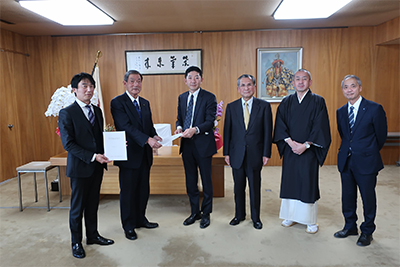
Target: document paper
x,y
168,139
115,145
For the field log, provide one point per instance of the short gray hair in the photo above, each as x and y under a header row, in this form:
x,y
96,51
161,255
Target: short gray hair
x,y
251,77
129,72
349,76
306,71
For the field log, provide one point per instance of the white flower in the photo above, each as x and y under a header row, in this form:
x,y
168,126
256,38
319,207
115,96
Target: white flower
x,y
63,97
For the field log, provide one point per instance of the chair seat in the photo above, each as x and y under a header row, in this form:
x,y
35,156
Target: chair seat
x,y
34,166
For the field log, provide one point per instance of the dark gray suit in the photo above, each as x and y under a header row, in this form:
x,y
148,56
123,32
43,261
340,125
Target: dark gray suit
x,y
197,151
82,140
246,149
134,173
359,161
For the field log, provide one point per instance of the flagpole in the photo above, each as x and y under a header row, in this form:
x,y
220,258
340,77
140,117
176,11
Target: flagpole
x,y
98,55
96,77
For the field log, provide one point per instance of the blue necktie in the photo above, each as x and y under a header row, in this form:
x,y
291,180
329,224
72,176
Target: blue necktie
x,y
90,115
189,111
137,108
351,119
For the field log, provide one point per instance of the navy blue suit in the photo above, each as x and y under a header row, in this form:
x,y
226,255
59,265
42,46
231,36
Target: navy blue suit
x,y
359,161
82,140
246,149
197,151
134,173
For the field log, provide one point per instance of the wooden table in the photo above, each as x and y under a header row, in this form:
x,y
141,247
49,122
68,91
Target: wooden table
x,y
167,175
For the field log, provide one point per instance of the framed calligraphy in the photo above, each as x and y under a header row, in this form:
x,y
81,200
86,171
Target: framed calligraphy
x,y
275,70
155,62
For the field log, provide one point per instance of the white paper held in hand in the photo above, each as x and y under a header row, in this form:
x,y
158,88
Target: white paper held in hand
x,y
168,139
115,145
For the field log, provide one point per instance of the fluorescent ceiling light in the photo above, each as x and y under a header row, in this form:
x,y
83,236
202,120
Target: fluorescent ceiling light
x,y
308,9
69,12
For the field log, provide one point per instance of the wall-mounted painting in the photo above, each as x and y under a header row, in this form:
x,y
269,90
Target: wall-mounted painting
x,y
275,71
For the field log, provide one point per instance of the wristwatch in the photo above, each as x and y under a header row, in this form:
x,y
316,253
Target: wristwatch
x,y
307,145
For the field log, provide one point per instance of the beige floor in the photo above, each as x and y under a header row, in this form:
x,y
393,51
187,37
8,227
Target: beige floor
x,y
36,237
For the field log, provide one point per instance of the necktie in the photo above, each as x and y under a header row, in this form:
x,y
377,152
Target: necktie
x,y
90,115
137,108
189,111
351,119
246,115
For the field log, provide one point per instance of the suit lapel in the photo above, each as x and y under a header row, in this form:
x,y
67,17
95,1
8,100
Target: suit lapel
x,y
84,120
98,115
199,100
360,114
254,110
238,109
345,120
131,108
184,104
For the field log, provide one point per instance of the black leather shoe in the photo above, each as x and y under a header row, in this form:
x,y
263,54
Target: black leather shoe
x,y
364,240
131,234
150,225
99,240
78,251
192,218
258,225
205,221
236,221
345,233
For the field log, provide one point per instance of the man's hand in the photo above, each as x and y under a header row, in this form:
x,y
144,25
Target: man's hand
x,y
298,148
153,143
188,133
265,161
158,138
227,160
102,159
178,131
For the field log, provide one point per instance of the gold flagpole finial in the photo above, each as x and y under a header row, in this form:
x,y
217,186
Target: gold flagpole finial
x,y
98,55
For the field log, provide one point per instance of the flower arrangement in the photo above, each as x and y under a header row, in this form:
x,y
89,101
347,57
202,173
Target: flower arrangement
x,y
109,128
218,116
217,136
63,97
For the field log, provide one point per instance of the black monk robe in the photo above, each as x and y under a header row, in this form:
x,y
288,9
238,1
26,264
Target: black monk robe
x,y
305,121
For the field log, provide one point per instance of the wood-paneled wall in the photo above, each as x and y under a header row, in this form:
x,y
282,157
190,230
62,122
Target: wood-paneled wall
x,y
27,83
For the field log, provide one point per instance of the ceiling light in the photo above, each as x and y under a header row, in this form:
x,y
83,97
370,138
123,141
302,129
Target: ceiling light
x,y
308,9
69,12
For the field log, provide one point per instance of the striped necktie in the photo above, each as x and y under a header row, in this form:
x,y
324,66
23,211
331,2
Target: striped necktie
x,y
137,108
189,111
351,119
90,115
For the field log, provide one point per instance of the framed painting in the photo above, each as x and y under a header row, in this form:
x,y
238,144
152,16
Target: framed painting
x,y
275,71
156,62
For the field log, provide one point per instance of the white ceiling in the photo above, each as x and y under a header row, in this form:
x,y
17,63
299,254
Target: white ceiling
x,y
151,16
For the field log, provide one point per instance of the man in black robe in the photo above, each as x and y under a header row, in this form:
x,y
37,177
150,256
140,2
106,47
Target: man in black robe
x,y
302,135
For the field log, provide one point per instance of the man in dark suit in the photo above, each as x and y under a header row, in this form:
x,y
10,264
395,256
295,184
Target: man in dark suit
x,y
363,128
196,115
247,146
81,127
132,114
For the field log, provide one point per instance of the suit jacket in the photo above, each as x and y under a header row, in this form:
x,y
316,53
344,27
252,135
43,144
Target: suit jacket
x,y
368,137
79,139
137,129
255,142
203,118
